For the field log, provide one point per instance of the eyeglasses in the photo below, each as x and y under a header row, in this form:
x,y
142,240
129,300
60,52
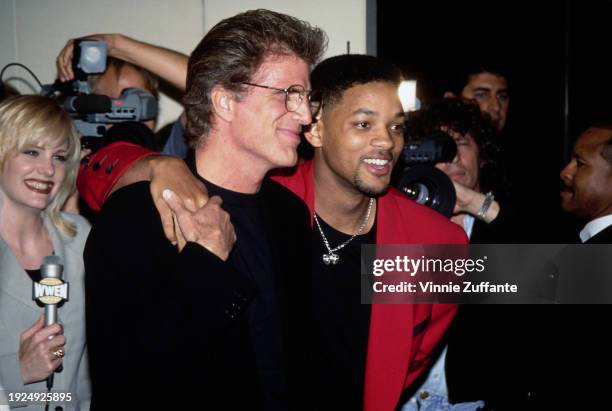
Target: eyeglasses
x,y
294,95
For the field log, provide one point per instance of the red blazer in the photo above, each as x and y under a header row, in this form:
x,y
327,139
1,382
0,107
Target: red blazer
x,y
395,358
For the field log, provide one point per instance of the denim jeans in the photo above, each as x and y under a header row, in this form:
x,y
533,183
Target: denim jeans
x,y
433,394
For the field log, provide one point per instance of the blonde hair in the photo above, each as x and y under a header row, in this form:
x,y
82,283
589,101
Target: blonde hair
x,y
32,120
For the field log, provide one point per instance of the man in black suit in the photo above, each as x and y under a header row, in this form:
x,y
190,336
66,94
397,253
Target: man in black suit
x,y
216,322
587,193
588,184
583,280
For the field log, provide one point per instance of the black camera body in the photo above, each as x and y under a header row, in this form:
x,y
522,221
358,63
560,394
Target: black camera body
x,y
419,179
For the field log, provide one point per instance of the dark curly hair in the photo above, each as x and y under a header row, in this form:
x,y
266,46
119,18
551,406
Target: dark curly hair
x,y
463,117
232,51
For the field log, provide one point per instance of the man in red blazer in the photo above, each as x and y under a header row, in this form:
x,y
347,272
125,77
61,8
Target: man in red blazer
x,y
357,138
366,356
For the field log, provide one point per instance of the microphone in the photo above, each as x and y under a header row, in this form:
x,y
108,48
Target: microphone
x,y
50,291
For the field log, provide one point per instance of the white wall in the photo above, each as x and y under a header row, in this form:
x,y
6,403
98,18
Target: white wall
x,y
342,20
32,32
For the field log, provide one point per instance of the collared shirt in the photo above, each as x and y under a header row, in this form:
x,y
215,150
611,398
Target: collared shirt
x,y
593,227
468,224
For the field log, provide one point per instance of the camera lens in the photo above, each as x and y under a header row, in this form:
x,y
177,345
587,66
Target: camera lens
x,y
429,186
418,192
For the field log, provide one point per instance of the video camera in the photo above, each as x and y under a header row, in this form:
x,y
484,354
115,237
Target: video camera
x,y
91,112
419,179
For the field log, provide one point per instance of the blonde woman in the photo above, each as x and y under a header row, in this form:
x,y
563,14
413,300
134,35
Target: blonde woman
x,y
39,157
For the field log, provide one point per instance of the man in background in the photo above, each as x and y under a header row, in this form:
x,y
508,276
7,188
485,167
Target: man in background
x,y
488,87
587,180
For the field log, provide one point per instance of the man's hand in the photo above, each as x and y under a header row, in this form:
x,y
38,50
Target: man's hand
x,y
64,59
168,65
209,225
36,347
172,173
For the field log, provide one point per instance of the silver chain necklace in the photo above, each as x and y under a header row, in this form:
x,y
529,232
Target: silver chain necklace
x,y
331,257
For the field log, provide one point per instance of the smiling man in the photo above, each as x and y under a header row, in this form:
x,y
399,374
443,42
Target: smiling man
x,y
357,138
226,334
588,184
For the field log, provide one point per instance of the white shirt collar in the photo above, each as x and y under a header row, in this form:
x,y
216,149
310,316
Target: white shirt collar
x,y
593,227
468,224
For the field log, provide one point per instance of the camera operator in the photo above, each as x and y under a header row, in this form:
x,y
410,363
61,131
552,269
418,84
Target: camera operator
x,y
122,72
476,209
140,64
131,63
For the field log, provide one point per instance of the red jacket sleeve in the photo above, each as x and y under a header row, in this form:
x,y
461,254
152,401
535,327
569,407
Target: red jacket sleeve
x,y
99,173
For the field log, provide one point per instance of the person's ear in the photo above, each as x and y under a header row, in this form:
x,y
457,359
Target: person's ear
x,y
223,103
314,132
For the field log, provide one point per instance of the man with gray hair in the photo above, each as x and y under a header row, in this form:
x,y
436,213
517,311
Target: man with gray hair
x,y
229,331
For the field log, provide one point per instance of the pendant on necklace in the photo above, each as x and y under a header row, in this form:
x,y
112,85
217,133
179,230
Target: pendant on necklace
x,y
331,258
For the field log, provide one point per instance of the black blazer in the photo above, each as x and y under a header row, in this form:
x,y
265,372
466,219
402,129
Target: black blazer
x,y
529,356
168,330
494,349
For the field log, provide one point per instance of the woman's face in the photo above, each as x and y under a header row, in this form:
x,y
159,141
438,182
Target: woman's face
x,y
33,177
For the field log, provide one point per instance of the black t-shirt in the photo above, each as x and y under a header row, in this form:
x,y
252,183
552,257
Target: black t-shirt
x,y
341,322
251,256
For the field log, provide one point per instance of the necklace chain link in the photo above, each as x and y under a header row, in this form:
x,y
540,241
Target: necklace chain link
x,y
331,257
